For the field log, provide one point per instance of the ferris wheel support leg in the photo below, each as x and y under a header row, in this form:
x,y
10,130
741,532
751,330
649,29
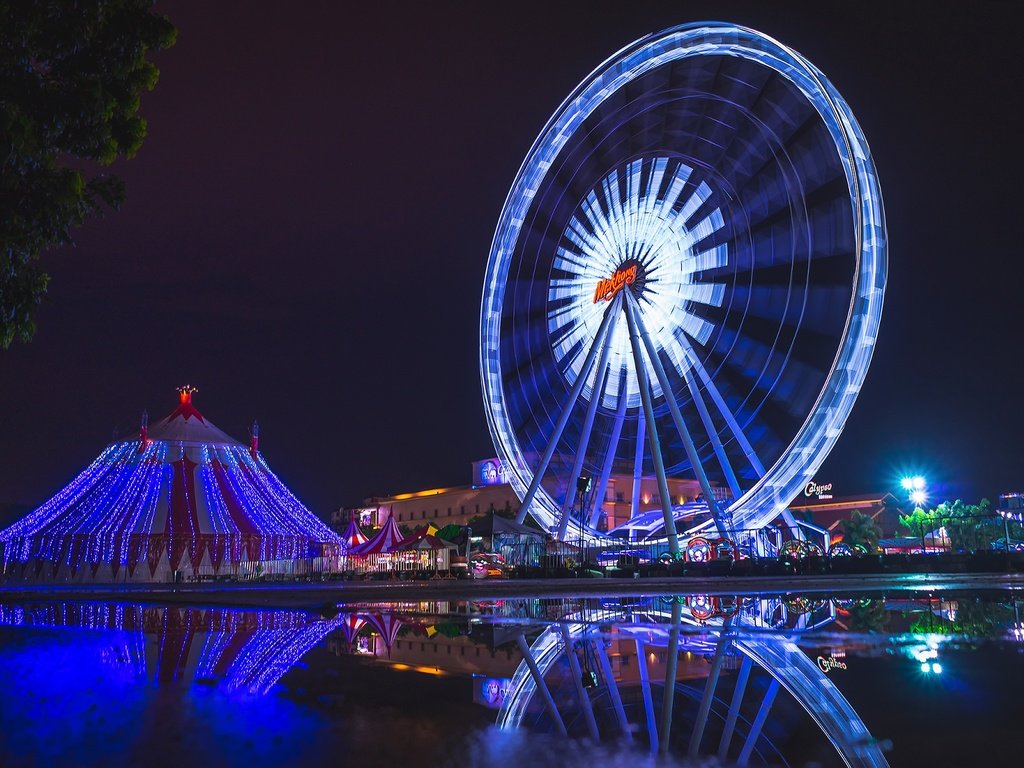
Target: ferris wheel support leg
x,y
542,686
613,689
652,434
638,466
636,326
710,685
716,442
600,382
577,676
645,689
734,709
588,363
613,441
671,667
759,721
719,402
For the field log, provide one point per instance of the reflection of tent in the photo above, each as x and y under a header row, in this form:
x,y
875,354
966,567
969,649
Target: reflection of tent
x,y
180,496
386,625
352,536
351,624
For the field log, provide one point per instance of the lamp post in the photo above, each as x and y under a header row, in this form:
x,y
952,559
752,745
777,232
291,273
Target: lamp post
x,y
916,494
583,483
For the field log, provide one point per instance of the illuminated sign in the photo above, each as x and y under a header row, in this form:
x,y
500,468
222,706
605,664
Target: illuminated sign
x,y
825,664
822,492
490,691
608,288
489,472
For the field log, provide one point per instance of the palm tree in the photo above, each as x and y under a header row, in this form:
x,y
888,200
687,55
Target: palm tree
x,y
861,529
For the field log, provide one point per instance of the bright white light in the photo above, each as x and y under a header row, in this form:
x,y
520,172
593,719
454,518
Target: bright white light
x,y
637,214
907,483
937,669
925,667
918,497
918,483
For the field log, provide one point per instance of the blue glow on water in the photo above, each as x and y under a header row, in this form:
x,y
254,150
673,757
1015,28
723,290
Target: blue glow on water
x,y
83,697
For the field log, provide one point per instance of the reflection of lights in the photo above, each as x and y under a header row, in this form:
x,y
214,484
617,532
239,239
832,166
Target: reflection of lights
x,y
410,668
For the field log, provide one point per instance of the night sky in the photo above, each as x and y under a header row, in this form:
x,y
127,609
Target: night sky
x,y
308,224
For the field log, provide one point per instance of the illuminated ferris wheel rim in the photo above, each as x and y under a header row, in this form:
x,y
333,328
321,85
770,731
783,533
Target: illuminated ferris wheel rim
x,y
797,464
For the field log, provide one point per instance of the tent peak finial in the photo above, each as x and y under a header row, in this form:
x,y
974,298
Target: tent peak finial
x,y
186,392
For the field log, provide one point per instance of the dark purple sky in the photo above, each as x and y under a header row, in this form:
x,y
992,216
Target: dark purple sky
x,y
308,224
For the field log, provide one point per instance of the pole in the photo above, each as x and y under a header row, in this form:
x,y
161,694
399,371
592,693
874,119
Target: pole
x,y
652,436
636,325
563,419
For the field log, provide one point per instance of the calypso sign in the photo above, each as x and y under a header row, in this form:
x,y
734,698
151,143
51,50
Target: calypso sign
x,y
821,491
609,287
828,663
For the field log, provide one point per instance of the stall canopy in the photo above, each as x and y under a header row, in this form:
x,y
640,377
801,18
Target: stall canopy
x,y
421,540
496,525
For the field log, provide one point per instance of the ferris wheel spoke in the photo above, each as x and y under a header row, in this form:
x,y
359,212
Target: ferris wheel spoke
x,y
636,327
556,434
600,382
652,430
638,466
609,456
748,450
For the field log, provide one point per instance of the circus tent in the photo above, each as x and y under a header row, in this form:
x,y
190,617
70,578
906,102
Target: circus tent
x,y
352,536
180,496
386,541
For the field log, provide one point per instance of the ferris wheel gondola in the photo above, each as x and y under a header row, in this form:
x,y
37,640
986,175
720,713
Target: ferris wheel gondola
x,y
686,280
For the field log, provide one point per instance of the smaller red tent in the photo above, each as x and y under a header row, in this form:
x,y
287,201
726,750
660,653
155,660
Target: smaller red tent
x,y
385,541
352,536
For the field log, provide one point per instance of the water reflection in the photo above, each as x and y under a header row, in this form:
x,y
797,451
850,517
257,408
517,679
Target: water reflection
x,y
729,680
242,651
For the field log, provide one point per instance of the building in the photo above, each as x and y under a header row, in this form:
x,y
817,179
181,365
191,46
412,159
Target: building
x,y
490,490
817,505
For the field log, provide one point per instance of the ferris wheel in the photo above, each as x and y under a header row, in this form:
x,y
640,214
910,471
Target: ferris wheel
x,y
686,281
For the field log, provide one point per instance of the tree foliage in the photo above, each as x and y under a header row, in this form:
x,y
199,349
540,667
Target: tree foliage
x,y
71,78
861,529
966,527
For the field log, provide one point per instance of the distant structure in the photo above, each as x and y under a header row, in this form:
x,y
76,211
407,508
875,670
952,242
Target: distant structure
x,y
180,499
491,491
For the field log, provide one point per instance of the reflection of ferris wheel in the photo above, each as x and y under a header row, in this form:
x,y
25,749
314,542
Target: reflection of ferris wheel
x,y
686,280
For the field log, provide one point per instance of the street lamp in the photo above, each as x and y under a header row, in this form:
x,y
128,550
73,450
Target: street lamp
x,y
582,489
915,487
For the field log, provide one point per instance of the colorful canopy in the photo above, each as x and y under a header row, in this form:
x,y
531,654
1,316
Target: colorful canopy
x,y
421,540
386,540
353,536
182,494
